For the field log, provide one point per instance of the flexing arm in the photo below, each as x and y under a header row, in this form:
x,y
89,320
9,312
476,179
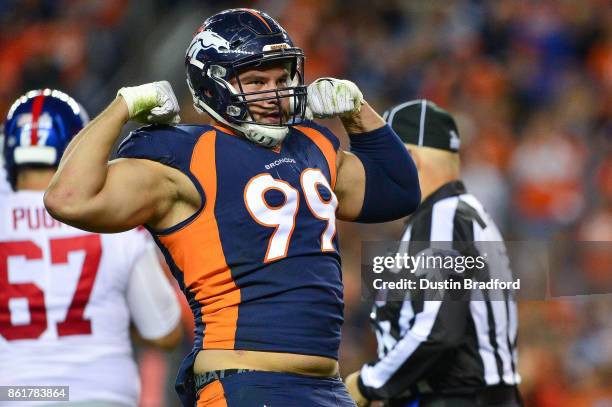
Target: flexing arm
x,y
377,181
351,180
90,193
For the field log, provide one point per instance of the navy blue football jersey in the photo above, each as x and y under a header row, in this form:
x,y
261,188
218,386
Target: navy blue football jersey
x,y
258,262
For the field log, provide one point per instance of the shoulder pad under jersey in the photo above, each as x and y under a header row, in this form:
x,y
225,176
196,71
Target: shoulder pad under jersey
x,y
327,133
171,145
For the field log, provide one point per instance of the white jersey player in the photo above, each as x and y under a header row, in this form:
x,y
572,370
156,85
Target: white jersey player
x,y
4,185
67,296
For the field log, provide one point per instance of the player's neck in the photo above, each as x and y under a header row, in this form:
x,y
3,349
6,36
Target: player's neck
x,y
34,179
223,127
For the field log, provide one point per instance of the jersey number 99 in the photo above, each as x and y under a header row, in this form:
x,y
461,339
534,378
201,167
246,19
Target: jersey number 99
x,y
282,217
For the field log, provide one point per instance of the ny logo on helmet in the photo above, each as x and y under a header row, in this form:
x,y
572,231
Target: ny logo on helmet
x,y
25,125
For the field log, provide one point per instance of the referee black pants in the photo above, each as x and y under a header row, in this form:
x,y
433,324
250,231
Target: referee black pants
x,y
497,396
462,402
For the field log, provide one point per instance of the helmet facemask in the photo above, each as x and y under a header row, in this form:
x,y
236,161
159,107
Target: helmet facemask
x,y
236,107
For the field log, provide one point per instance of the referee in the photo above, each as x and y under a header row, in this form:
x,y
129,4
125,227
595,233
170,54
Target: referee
x,y
441,353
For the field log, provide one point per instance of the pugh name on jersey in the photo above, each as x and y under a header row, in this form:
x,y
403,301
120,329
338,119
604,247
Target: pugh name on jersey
x,y
24,218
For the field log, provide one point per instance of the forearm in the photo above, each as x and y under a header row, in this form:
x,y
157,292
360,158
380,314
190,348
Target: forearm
x,y
389,377
391,181
83,168
363,121
437,329
75,140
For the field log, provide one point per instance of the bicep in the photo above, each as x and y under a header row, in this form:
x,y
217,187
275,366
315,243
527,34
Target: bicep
x,y
350,185
135,192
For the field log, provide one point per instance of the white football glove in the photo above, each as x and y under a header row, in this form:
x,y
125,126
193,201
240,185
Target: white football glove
x,y
329,97
151,103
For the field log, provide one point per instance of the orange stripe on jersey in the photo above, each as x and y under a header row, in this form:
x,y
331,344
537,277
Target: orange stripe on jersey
x,y
212,395
197,251
225,129
326,147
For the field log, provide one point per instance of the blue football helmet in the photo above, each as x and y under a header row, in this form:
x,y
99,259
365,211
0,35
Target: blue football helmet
x,y
38,128
229,42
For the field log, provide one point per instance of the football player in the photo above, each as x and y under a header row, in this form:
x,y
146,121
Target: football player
x,y
245,210
4,185
67,296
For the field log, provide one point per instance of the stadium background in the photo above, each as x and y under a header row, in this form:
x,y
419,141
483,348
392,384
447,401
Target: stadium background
x,y
530,83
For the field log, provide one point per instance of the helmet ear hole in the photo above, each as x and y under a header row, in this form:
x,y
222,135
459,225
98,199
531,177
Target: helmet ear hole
x,y
234,111
217,71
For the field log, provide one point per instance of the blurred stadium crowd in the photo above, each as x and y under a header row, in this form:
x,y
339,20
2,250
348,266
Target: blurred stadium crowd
x,y
529,82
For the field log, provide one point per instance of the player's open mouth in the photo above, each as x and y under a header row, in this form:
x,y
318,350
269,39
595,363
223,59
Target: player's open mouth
x,y
273,117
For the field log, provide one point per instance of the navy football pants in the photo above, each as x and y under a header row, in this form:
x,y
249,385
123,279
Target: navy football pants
x,y
274,389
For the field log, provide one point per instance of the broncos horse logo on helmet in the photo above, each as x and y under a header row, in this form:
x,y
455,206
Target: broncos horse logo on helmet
x,y
205,40
233,40
38,128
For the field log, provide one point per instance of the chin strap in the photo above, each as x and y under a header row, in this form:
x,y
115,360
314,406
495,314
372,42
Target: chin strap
x,y
267,136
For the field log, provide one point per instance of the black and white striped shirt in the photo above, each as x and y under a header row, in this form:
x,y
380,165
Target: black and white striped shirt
x,y
443,347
